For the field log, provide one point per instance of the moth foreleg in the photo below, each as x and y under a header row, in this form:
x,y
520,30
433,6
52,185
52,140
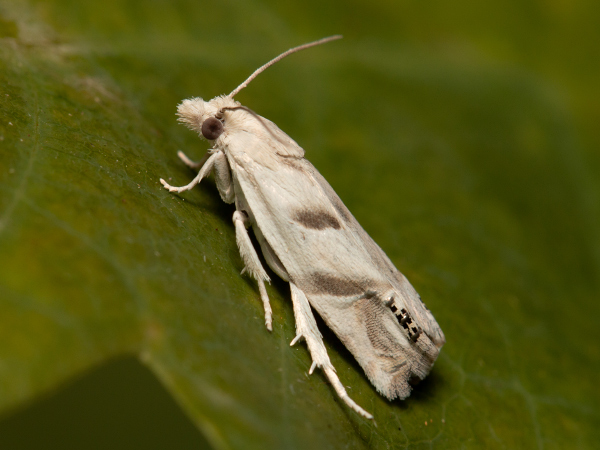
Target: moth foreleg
x,y
306,327
252,262
192,164
204,171
221,170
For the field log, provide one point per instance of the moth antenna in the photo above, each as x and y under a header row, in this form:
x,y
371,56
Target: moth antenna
x,y
279,58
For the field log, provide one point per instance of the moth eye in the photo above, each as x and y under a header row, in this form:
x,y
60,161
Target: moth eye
x,y
212,128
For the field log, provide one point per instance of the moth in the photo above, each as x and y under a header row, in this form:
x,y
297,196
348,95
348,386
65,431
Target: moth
x,y
311,240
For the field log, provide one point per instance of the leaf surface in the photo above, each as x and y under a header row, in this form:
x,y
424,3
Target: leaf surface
x,y
464,161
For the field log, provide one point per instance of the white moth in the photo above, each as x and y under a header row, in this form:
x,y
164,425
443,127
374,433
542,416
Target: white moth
x,y
309,238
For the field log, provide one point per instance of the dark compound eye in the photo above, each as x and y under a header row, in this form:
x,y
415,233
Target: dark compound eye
x,y
212,128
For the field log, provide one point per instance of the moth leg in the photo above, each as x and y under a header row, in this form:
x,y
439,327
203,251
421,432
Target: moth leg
x,y
206,169
191,164
251,261
306,327
221,169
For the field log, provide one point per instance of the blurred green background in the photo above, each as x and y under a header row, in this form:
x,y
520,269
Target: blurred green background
x,y
462,135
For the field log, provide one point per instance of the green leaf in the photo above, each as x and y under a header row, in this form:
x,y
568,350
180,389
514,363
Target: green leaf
x,y
468,161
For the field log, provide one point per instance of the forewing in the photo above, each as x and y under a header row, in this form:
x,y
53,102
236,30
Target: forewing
x,y
408,296
344,274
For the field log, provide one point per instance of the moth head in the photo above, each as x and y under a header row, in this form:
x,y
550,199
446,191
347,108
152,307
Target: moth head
x,y
205,118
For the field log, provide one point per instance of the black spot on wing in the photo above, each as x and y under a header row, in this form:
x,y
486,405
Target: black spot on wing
x,y
316,220
324,284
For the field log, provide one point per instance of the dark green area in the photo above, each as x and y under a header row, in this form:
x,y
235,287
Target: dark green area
x,y
119,404
462,137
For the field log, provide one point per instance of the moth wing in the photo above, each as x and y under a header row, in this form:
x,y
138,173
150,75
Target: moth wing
x,y
409,298
328,255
